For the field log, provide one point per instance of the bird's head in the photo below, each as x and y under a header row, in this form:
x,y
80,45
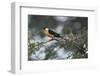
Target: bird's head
x,y
45,28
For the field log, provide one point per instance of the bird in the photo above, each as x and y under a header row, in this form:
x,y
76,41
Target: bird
x,y
50,33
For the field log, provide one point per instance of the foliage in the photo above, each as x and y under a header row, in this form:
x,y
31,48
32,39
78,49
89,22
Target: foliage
x,y
74,43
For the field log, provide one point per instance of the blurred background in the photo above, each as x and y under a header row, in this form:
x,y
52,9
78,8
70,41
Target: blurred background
x,y
73,29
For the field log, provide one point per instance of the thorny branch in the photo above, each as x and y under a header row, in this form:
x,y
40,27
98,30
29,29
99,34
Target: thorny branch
x,y
70,39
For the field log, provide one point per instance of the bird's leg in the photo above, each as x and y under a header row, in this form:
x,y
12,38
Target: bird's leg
x,y
51,39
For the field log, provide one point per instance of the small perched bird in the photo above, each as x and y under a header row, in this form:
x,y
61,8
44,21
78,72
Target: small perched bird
x,y
51,33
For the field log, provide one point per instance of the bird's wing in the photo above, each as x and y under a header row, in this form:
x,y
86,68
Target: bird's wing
x,y
54,33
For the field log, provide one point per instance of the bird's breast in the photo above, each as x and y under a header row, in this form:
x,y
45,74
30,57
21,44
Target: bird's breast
x,y
47,33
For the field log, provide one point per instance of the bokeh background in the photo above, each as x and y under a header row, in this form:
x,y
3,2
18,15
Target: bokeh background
x,y
74,29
